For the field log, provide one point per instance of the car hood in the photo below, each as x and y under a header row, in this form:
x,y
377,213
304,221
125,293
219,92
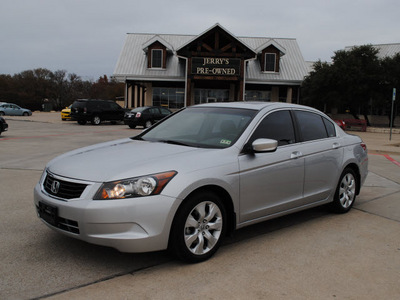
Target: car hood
x,y
127,158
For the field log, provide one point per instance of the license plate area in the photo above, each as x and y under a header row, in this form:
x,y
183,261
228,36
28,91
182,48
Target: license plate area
x,y
48,213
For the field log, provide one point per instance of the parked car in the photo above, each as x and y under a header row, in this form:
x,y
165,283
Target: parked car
x,y
66,113
11,109
194,177
341,124
3,125
96,111
145,116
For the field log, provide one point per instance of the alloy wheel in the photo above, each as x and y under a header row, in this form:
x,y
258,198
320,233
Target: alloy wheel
x,y
203,228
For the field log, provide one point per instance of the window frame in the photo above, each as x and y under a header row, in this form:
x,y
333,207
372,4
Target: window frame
x,y
267,62
152,65
251,138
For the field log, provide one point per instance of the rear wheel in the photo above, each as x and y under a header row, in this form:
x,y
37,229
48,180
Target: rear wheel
x,y
198,228
96,120
345,192
148,124
132,126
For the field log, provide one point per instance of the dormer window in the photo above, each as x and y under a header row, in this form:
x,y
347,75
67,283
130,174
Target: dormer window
x,y
156,58
269,55
270,62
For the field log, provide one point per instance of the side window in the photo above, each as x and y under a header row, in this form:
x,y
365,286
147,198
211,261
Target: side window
x,y
330,128
311,126
277,126
153,111
164,112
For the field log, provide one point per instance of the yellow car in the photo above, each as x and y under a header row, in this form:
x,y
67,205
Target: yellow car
x,y
66,113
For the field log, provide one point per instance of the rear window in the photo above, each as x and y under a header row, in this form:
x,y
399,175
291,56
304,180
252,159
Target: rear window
x,y
79,104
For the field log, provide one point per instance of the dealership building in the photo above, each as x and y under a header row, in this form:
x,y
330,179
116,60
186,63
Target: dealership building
x,y
174,70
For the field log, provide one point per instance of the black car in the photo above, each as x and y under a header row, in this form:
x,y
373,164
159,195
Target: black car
x,y
145,116
3,125
96,111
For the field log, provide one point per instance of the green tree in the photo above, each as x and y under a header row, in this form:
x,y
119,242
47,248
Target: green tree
x,y
391,79
351,82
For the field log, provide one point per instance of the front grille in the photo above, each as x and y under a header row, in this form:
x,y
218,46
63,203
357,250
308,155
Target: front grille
x,y
63,189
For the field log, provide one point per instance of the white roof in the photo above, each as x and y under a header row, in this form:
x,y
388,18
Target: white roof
x,y
132,62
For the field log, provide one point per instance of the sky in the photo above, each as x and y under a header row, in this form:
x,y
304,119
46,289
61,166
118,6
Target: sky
x,y
85,37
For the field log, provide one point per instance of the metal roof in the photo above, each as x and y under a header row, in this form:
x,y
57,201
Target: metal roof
x,y
132,62
385,50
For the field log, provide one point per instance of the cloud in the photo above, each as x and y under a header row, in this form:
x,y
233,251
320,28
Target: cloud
x,y
86,36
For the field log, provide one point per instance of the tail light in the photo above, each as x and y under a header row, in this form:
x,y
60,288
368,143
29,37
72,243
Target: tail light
x,y
364,146
138,115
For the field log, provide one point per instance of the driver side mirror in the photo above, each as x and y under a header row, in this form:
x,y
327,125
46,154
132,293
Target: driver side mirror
x,y
262,145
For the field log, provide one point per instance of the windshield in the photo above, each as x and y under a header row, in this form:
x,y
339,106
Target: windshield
x,y
206,127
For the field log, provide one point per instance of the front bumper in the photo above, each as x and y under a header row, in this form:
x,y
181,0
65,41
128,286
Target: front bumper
x,y
128,225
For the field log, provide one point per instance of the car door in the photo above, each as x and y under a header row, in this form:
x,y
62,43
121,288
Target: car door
x,y
12,110
322,154
271,182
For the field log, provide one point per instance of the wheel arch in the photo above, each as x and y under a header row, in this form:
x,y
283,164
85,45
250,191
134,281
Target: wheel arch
x,y
225,198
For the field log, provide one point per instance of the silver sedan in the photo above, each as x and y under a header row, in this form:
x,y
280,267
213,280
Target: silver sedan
x,y
199,174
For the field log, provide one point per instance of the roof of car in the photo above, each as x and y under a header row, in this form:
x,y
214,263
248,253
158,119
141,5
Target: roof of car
x,y
254,105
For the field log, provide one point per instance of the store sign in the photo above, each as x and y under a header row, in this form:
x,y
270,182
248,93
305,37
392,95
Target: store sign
x,y
215,66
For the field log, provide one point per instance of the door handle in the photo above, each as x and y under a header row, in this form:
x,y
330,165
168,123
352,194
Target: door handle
x,y
335,145
296,154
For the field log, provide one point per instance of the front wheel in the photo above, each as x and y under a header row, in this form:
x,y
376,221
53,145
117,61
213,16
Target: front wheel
x,y
199,227
346,190
81,122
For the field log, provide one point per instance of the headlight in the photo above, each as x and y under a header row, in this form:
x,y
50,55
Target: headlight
x,y
135,187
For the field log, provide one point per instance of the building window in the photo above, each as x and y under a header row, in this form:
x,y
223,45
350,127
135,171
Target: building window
x,y
156,58
270,62
210,96
253,95
168,97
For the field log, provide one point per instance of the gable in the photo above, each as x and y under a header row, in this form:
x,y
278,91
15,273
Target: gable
x,y
216,42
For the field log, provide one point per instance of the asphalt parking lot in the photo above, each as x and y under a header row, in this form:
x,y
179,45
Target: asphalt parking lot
x,y
309,255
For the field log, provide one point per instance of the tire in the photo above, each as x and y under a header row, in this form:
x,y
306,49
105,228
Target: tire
x,y
148,124
198,228
132,126
346,190
81,122
96,120
25,114
1,113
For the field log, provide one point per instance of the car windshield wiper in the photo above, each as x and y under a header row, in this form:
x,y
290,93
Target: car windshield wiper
x,y
175,143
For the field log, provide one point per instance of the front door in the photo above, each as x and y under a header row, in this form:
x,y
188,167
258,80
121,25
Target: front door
x,y
272,182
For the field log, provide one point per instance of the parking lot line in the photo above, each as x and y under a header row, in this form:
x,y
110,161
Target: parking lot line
x,y
388,157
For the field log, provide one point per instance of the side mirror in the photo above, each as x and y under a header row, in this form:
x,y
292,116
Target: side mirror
x,y
264,145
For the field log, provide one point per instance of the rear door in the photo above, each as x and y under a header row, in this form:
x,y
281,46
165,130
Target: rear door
x,y
322,154
272,182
